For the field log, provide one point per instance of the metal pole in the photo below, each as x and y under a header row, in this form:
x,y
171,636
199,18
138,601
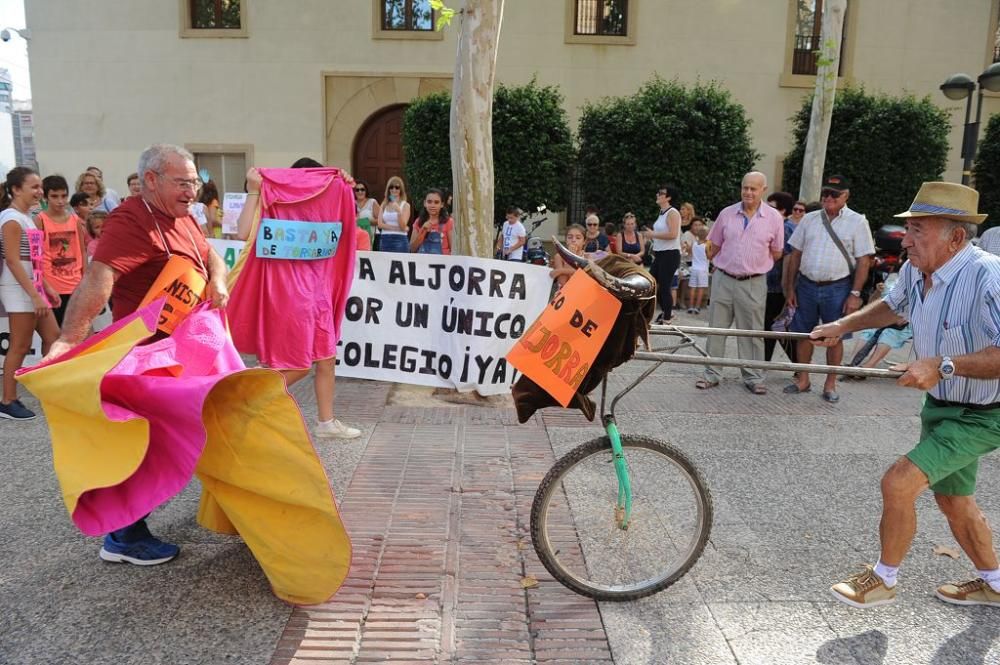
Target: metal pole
x,y
764,364
725,332
968,141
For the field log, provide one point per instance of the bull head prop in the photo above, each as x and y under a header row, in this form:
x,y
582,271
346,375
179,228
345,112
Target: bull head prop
x,y
636,286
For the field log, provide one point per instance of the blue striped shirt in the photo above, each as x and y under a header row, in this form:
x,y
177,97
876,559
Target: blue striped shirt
x,y
959,315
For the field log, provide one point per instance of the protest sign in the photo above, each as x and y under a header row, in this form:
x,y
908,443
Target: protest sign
x,y
288,239
558,349
232,206
184,289
34,353
436,320
229,250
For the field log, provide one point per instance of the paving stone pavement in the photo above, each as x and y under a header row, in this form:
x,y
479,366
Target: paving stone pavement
x,y
437,500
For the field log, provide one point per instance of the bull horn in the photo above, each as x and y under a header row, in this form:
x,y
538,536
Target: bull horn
x,y
630,287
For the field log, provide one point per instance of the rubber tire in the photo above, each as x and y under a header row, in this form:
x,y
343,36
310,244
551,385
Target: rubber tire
x,y
550,483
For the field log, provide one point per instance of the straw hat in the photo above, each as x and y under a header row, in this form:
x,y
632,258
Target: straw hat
x,y
946,199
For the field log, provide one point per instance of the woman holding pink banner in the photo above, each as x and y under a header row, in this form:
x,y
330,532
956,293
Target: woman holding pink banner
x,y
290,286
27,309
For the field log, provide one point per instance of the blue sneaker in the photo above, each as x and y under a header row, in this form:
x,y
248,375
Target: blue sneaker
x,y
149,551
16,411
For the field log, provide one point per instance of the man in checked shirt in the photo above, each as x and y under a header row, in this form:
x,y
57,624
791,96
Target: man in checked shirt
x,y
949,290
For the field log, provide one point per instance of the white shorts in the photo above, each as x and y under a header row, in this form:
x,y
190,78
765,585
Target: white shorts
x,y
699,279
15,299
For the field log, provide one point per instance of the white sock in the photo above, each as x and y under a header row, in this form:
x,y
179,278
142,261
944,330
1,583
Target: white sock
x,y
324,422
887,573
992,578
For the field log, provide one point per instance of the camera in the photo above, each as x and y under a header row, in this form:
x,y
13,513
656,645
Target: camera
x,y
5,35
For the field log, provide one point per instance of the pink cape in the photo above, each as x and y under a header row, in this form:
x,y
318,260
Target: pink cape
x,y
132,424
288,313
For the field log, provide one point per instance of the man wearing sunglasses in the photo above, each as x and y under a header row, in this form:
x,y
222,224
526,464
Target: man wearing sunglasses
x,y
831,254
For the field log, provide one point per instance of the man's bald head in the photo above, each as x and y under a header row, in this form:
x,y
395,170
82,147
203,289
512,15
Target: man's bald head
x,y
753,189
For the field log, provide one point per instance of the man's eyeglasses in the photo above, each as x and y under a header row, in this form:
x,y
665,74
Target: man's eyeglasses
x,y
591,224
184,183
831,193
798,209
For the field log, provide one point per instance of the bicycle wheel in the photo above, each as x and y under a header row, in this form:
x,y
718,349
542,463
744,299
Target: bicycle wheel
x,y
576,534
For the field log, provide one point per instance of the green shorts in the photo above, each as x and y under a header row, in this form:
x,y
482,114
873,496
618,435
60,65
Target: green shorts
x,y
952,439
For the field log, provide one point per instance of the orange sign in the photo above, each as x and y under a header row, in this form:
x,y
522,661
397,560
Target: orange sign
x,y
184,288
558,349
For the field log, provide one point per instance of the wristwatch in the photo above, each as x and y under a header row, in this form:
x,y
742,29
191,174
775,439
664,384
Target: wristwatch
x,y
947,368
856,294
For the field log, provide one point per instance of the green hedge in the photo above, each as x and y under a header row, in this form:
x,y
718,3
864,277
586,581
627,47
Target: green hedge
x,y
886,146
532,147
695,138
987,173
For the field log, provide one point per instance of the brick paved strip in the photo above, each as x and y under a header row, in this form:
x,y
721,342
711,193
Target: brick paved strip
x,y
438,512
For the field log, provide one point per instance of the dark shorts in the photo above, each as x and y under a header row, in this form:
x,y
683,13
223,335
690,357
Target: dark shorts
x,y
952,439
819,303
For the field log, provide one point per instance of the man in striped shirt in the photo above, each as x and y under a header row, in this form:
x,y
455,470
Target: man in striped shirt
x,y
949,290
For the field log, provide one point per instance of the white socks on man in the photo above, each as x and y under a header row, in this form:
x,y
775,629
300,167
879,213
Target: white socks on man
x,y
887,573
991,577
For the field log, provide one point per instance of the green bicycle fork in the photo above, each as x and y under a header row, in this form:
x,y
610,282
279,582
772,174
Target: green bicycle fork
x,y
623,508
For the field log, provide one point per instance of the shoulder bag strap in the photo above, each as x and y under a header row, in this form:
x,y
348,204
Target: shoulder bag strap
x,y
836,240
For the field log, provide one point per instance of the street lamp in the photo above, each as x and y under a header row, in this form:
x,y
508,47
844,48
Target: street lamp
x,y
961,86
24,33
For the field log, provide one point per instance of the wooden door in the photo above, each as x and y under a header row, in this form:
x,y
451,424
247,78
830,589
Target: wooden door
x,y
378,149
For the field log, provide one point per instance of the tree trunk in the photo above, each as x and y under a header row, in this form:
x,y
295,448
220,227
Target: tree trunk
x,y
472,127
828,64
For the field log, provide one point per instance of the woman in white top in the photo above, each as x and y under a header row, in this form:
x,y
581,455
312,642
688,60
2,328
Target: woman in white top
x,y
27,309
367,209
666,251
395,218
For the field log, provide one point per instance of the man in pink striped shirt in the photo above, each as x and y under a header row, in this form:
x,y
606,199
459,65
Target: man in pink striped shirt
x,y
744,243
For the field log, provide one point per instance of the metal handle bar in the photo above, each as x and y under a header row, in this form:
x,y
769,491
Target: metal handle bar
x,y
733,332
765,364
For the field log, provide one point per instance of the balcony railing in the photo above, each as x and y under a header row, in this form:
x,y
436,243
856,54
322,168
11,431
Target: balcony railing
x,y
804,55
996,53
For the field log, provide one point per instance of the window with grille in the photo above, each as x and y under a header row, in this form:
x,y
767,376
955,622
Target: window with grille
x,y
808,29
216,15
601,17
415,15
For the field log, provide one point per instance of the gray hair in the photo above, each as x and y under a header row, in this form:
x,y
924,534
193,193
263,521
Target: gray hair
x,y
154,158
970,229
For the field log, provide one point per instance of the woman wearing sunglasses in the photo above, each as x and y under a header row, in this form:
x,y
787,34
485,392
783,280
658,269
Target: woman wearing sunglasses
x,y
367,210
394,222
595,240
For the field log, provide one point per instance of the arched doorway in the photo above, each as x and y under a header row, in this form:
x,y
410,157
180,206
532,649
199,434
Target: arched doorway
x,y
378,149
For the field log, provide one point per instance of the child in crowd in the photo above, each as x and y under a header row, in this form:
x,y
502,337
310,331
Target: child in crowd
x,y
80,205
510,244
699,268
95,220
575,242
65,244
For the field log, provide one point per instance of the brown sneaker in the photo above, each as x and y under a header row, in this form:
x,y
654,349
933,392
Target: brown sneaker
x,y
866,589
976,592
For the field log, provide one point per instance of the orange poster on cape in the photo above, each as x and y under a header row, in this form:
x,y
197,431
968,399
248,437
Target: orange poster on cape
x,y
184,289
558,349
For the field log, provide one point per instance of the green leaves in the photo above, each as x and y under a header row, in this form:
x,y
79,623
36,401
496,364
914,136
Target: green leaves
x,y
696,138
886,146
532,147
445,14
987,173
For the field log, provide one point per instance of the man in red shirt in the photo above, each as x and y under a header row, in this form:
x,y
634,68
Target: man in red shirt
x,y
744,242
138,238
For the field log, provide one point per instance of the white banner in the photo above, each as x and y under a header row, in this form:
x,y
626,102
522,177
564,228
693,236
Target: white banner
x,y
444,321
431,320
